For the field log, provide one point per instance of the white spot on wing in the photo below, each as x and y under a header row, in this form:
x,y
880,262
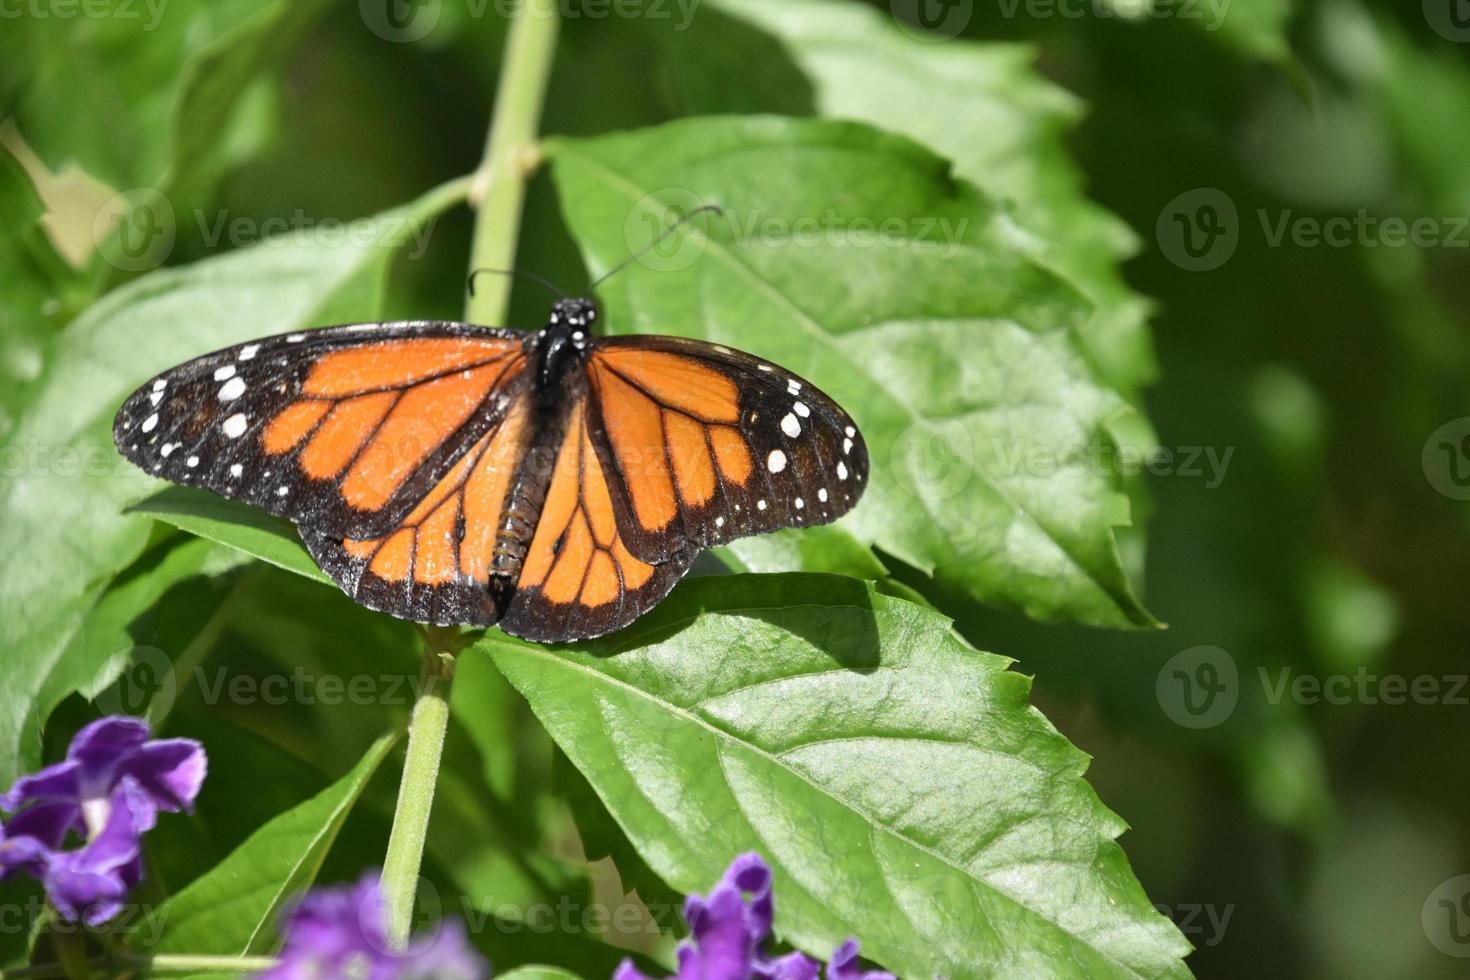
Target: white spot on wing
x,y
841,470
776,462
760,505
847,445
763,367
800,409
150,422
192,462
232,389
822,495
282,491
248,351
167,448
155,398
234,426
236,469
720,521
295,338
160,384
799,503
850,432
791,426
225,373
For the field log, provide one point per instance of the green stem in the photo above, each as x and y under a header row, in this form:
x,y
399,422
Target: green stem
x,y
511,155
150,965
416,790
71,954
498,190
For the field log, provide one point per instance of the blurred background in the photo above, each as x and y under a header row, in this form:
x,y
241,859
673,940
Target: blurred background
x,y
1290,751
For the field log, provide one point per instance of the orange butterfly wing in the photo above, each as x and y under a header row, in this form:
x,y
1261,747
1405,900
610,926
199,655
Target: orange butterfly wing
x,y
436,565
579,579
707,444
342,429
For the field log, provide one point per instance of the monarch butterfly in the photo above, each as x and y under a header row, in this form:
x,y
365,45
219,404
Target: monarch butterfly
x,y
554,483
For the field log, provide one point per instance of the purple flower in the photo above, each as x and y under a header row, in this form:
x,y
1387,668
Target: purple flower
x,y
727,932
109,790
341,932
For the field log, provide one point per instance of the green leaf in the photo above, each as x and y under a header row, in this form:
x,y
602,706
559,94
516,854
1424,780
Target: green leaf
x,y
248,529
64,510
231,910
958,355
985,108
538,973
29,262
897,780
102,646
144,94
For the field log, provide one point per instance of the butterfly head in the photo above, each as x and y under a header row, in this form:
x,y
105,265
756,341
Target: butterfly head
x,y
573,317
564,339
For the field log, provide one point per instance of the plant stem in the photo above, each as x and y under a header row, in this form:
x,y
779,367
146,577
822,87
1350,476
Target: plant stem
x,y
150,965
71,955
511,155
416,790
498,190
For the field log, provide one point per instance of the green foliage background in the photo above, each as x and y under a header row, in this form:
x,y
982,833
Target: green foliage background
x,y
829,692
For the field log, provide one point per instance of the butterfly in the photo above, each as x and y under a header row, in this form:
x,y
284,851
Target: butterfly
x,y
555,483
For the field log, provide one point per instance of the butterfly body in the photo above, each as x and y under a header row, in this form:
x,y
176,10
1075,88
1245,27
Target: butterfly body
x,y
555,483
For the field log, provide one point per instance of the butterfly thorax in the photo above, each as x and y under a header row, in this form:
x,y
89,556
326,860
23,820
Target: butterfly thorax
x,y
562,344
556,353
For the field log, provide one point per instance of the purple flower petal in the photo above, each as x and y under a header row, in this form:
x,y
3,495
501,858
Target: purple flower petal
x,y
627,971
52,784
844,965
792,966
172,770
750,873
48,823
721,933
337,932
23,854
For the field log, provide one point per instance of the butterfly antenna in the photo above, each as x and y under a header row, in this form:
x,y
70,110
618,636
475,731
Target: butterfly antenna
x,y
470,283
715,208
